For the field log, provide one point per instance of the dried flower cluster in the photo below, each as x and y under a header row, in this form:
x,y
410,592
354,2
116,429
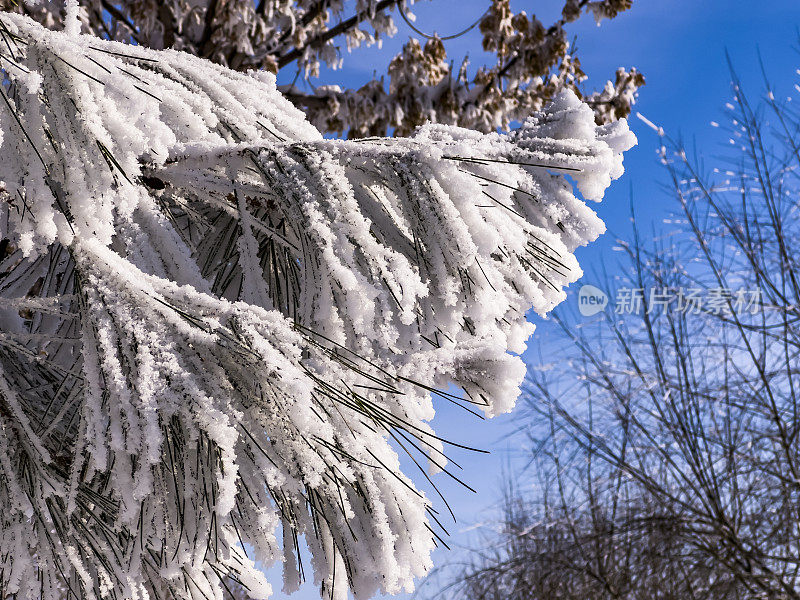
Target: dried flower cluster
x,y
534,62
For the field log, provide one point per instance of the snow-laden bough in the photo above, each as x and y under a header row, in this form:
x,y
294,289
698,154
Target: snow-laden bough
x,y
216,325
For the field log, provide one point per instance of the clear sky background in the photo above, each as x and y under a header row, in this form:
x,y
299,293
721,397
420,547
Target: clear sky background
x,y
680,47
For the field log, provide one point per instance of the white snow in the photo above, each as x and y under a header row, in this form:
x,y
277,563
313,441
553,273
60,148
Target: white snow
x,y
259,312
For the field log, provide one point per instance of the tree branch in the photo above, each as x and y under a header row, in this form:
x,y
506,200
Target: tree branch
x,y
333,32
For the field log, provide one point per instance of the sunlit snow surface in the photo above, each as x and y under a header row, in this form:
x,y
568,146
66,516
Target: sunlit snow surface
x,y
214,323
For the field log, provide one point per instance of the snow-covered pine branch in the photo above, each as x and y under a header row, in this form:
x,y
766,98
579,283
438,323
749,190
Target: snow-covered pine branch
x,y
214,322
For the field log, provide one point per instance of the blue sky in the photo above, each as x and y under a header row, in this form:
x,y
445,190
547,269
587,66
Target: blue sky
x,y
680,47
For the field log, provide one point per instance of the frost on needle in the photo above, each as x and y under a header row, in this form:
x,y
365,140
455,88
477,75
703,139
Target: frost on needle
x,y
216,325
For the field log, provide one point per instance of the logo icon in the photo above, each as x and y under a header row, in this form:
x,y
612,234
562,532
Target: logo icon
x,y
591,300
